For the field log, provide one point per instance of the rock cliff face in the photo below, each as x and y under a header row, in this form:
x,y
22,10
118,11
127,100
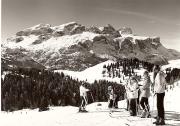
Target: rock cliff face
x,y
14,58
125,30
73,46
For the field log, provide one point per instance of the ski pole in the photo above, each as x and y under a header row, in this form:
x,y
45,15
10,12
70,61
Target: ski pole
x,y
152,108
92,96
137,108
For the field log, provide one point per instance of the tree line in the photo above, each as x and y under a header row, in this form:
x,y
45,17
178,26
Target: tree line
x,y
126,67
32,88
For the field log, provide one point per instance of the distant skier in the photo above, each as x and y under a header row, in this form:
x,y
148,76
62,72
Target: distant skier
x,y
145,93
116,98
83,97
132,94
111,97
159,90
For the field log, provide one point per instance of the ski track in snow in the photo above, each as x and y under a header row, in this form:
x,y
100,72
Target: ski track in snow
x,y
97,115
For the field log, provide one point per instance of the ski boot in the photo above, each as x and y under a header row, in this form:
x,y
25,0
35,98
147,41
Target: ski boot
x,y
143,115
148,115
160,121
157,120
84,110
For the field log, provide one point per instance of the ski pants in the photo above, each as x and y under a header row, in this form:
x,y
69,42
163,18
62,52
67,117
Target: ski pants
x,y
111,102
144,104
133,106
160,104
116,102
83,102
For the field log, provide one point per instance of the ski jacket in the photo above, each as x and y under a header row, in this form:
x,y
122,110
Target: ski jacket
x,y
111,94
145,88
160,82
83,91
132,90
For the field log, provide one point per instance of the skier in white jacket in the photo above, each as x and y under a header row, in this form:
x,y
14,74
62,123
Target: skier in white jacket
x,y
83,97
159,90
132,95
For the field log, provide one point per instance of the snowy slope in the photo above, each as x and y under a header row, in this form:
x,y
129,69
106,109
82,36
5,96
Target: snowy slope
x,y
94,73
173,64
53,44
97,116
90,74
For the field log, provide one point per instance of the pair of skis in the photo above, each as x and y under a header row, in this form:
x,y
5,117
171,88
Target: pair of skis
x,y
129,120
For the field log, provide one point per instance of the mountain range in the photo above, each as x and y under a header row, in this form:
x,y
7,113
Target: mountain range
x,y
73,46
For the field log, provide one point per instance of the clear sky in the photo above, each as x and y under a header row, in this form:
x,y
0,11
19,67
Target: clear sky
x,y
145,17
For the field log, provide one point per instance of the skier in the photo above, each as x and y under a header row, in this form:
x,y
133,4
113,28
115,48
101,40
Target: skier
x,y
159,89
116,98
111,97
145,93
132,94
83,97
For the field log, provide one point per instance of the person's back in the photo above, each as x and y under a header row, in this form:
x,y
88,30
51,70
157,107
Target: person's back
x,y
145,89
82,89
160,82
132,89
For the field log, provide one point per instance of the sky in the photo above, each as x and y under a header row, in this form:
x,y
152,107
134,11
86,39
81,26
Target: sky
x,y
145,17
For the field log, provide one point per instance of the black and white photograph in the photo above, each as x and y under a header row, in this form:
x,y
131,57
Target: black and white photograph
x,y
90,63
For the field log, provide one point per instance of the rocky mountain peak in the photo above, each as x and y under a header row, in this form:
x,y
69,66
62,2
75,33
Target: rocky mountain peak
x,y
110,30
125,30
73,46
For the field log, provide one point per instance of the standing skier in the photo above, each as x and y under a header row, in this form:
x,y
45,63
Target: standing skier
x,y
145,93
116,98
132,94
83,97
111,97
159,89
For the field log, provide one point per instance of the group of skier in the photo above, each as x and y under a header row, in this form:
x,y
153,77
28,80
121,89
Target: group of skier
x,y
137,95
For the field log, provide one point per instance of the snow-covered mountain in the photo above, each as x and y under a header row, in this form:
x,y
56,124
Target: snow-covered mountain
x,y
73,46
